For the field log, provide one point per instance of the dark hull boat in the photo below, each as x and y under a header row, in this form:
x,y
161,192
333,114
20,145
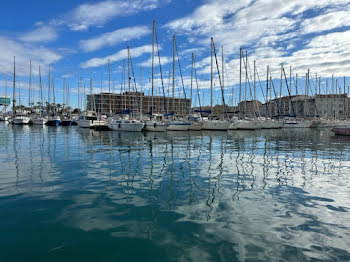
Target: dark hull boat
x,y
342,131
66,122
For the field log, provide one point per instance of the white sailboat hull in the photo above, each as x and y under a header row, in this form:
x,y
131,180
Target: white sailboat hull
x,y
154,126
38,121
195,126
244,125
215,125
268,124
85,123
178,126
22,120
129,127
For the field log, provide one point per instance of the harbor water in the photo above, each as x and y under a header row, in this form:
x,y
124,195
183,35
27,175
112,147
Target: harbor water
x,y
73,194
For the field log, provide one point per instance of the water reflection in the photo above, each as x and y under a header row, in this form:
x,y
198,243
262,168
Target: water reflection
x,y
191,196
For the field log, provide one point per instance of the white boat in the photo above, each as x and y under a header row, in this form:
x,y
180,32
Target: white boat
x,y
270,124
38,121
21,120
155,126
178,126
128,125
195,126
244,124
215,125
294,124
86,119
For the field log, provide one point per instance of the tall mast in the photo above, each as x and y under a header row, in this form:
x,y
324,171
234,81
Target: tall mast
x,y
290,85
222,67
14,87
30,84
153,31
124,85
211,73
254,82
191,79
41,94
129,96
48,92
246,82
109,86
53,96
240,80
173,73
141,99
296,93
267,90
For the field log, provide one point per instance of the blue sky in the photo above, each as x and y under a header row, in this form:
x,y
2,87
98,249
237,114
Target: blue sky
x,y
78,37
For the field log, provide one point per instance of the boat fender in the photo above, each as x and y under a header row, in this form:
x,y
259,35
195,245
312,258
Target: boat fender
x,y
119,125
154,124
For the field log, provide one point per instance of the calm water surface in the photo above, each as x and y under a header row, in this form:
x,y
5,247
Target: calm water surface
x,y
69,194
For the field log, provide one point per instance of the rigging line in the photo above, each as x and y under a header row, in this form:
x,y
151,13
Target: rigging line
x,y
222,90
135,87
160,69
246,65
199,98
274,91
182,80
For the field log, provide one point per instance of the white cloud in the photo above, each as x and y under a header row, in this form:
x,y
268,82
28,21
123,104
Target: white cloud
x,y
112,38
326,22
24,52
41,34
120,55
97,14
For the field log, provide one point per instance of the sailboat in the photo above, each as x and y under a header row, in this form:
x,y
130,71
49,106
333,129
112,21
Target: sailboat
x,y
19,118
89,118
66,112
53,120
178,124
127,123
39,120
294,122
154,124
210,123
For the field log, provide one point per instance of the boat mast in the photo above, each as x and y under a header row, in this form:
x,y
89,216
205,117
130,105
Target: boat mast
x,y
211,73
152,83
48,92
191,80
240,81
267,90
246,82
14,87
30,84
174,73
129,95
53,96
109,86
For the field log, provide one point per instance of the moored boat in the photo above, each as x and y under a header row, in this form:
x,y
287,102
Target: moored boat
x,y
128,125
21,120
38,121
54,121
178,126
215,125
343,131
